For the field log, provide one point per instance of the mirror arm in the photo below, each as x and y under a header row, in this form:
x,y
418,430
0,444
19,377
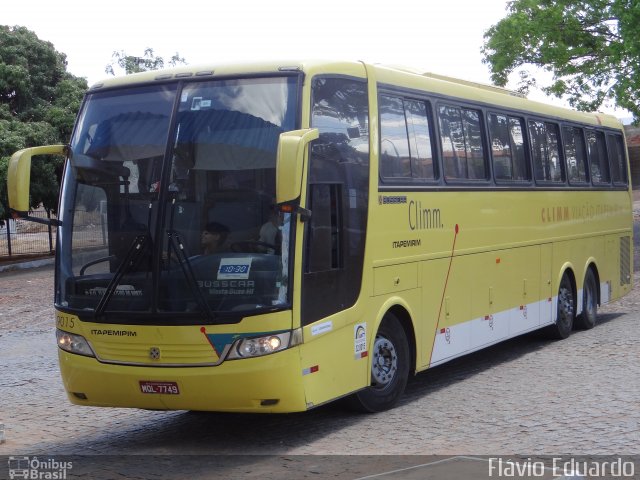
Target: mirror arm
x,y
16,215
294,209
305,214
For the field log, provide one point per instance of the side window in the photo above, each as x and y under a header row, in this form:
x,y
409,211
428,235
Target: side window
x,y
597,153
418,126
338,173
575,155
395,160
405,139
521,169
325,249
618,159
547,165
508,148
462,146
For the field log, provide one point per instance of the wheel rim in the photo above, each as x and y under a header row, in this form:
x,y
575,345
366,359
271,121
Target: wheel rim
x,y
565,307
385,363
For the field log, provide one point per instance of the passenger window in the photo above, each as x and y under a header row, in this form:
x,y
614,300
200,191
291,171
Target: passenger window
x,y
395,159
575,155
508,148
597,153
420,139
462,146
405,146
618,159
547,165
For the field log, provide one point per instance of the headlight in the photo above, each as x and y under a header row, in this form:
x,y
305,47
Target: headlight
x,y
265,345
72,343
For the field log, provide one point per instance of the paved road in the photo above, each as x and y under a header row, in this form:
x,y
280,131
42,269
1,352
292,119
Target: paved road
x,y
526,396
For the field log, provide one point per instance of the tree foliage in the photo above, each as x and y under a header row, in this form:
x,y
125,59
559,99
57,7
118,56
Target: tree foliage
x,y
148,61
39,101
592,48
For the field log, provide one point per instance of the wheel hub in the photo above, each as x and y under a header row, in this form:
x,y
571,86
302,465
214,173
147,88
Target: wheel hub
x,y
385,362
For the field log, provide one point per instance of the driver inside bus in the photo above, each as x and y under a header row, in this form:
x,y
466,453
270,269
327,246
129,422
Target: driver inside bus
x,y
213,237
270,234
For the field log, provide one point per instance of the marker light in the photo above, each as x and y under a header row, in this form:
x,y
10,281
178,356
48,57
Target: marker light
x,y
266,345
72,343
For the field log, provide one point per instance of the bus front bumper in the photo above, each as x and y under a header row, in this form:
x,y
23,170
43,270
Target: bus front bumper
x,y
269,384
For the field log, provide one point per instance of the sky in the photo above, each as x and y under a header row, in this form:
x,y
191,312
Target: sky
x,y
428,35
441,36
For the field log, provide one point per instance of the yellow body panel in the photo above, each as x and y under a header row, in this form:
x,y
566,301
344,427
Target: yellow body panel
x,y
509,254
330,346
178,345
186,357
267,384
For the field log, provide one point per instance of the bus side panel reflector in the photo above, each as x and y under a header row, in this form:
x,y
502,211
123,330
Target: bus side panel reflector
x,y
313,369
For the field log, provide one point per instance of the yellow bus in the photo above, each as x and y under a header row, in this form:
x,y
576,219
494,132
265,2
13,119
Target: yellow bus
x,y
272,237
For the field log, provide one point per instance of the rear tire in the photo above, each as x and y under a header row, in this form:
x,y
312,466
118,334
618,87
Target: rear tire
x,y
390,364
587,319
566,311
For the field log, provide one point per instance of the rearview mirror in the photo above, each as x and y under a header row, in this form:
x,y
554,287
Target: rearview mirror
x,y
290,163
19,174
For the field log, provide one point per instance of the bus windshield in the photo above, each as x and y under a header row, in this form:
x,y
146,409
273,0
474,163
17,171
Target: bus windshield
x,y
168,199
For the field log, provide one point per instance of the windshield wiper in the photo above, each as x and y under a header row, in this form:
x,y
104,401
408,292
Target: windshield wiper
x,y
131,258
185,265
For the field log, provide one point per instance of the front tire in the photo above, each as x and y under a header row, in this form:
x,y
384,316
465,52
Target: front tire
x,y
390,364
587,319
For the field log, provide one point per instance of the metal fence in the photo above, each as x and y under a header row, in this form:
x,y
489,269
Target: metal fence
x,y
23,237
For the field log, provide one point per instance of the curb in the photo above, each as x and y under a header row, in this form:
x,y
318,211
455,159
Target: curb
x,y
28,264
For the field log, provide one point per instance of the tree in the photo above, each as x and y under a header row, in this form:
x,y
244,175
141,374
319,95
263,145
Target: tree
x,y
39,101
591,48
149,61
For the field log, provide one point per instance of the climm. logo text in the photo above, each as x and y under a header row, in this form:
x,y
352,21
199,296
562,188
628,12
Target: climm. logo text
x,y
424,218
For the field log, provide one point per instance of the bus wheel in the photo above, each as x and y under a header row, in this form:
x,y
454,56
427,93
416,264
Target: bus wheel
x,y
587,319
566,310
390,361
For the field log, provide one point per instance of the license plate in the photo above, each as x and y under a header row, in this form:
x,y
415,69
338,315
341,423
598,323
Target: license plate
x,y
164,388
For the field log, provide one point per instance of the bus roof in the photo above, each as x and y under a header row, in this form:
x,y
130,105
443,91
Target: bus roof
x,y
403,77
